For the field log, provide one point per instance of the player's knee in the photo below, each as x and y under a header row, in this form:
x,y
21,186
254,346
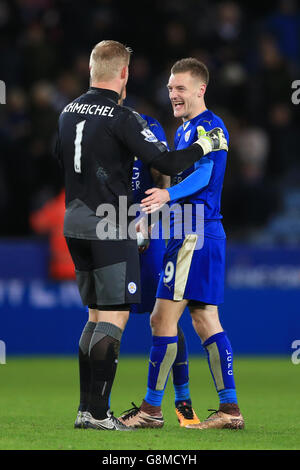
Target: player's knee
x,y
158,325
162,325
206,322
198,322
155,321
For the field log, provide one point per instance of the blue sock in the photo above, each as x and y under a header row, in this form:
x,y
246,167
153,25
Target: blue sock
x,y
220,359
180,371
162,356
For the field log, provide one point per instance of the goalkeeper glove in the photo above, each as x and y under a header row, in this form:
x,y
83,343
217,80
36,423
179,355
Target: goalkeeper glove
x,y
211,141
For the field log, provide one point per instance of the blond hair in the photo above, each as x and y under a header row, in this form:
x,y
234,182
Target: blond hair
x,y
194,66
106,60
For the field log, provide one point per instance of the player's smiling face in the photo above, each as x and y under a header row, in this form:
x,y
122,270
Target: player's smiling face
x,y
186,94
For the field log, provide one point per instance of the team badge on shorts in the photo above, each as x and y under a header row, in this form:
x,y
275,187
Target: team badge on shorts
x,y
132,287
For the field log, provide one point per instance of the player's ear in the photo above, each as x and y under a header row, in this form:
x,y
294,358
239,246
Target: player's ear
x,y
202,89
124,72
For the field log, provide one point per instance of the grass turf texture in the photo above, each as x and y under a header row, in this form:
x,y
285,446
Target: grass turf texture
x,y
39,399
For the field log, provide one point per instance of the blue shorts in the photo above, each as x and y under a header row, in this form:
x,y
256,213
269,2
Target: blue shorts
x,y
193,274
151,263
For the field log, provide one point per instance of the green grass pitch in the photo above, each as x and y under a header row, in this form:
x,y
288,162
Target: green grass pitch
x,y
39,398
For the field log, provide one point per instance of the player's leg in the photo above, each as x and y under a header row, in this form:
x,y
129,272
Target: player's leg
x,y
108,289
84,365
151,262
163,321
80,251
180,370
103,357
220,360
90,353
175,279
117,285
180,375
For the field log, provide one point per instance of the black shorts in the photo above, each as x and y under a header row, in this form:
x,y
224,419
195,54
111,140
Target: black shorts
x,y
107,272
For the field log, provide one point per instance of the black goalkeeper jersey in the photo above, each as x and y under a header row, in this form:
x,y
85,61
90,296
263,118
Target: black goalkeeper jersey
x,y
97,142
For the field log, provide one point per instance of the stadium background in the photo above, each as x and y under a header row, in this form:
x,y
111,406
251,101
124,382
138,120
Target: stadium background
x,y
253,56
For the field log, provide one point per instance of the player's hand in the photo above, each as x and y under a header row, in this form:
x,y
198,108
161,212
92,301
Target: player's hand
x,y
143,233
155,200
212,141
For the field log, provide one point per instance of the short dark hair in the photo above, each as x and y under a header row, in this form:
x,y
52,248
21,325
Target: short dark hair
x,y
192,65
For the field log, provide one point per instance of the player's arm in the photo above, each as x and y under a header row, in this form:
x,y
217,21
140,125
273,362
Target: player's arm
x,y
141,141
194,182
161,181
190,185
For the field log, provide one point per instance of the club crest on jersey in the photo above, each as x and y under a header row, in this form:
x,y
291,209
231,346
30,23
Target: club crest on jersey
x,y
187,135
149,136
132,287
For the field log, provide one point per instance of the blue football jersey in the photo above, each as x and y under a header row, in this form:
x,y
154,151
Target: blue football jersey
x,y
210,195
141,176
150,261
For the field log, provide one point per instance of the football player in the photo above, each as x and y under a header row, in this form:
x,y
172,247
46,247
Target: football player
x,y
193,269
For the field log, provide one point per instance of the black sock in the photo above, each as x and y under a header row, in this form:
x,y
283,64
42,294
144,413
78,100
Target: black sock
x,y
84,364
104,352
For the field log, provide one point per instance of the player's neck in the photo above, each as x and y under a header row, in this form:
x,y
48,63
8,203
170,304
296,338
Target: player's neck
x,y
199,110
112,85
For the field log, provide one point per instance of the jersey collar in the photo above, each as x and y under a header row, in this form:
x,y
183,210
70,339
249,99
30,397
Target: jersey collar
x,y
186,124
113,95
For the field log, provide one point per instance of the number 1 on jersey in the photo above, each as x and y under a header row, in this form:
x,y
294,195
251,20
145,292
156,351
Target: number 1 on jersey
x,y
77,143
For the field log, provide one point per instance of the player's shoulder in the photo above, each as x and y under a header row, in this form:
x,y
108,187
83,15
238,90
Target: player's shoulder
x,y
209,120
127,111
156,128
151,121
70,104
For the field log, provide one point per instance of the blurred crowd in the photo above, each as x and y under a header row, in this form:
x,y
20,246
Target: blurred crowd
x,y
253,55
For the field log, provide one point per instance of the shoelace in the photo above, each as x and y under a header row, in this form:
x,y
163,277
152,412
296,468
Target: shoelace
x,y
185,410
113,418
213,412
131,412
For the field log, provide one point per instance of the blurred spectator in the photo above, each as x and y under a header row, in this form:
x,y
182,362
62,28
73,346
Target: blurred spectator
x,y
49,220
81,71
272,81
283,132
45,176
141,79
68,87
39,56
284,25
175,44
251,199
17,125
253,56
